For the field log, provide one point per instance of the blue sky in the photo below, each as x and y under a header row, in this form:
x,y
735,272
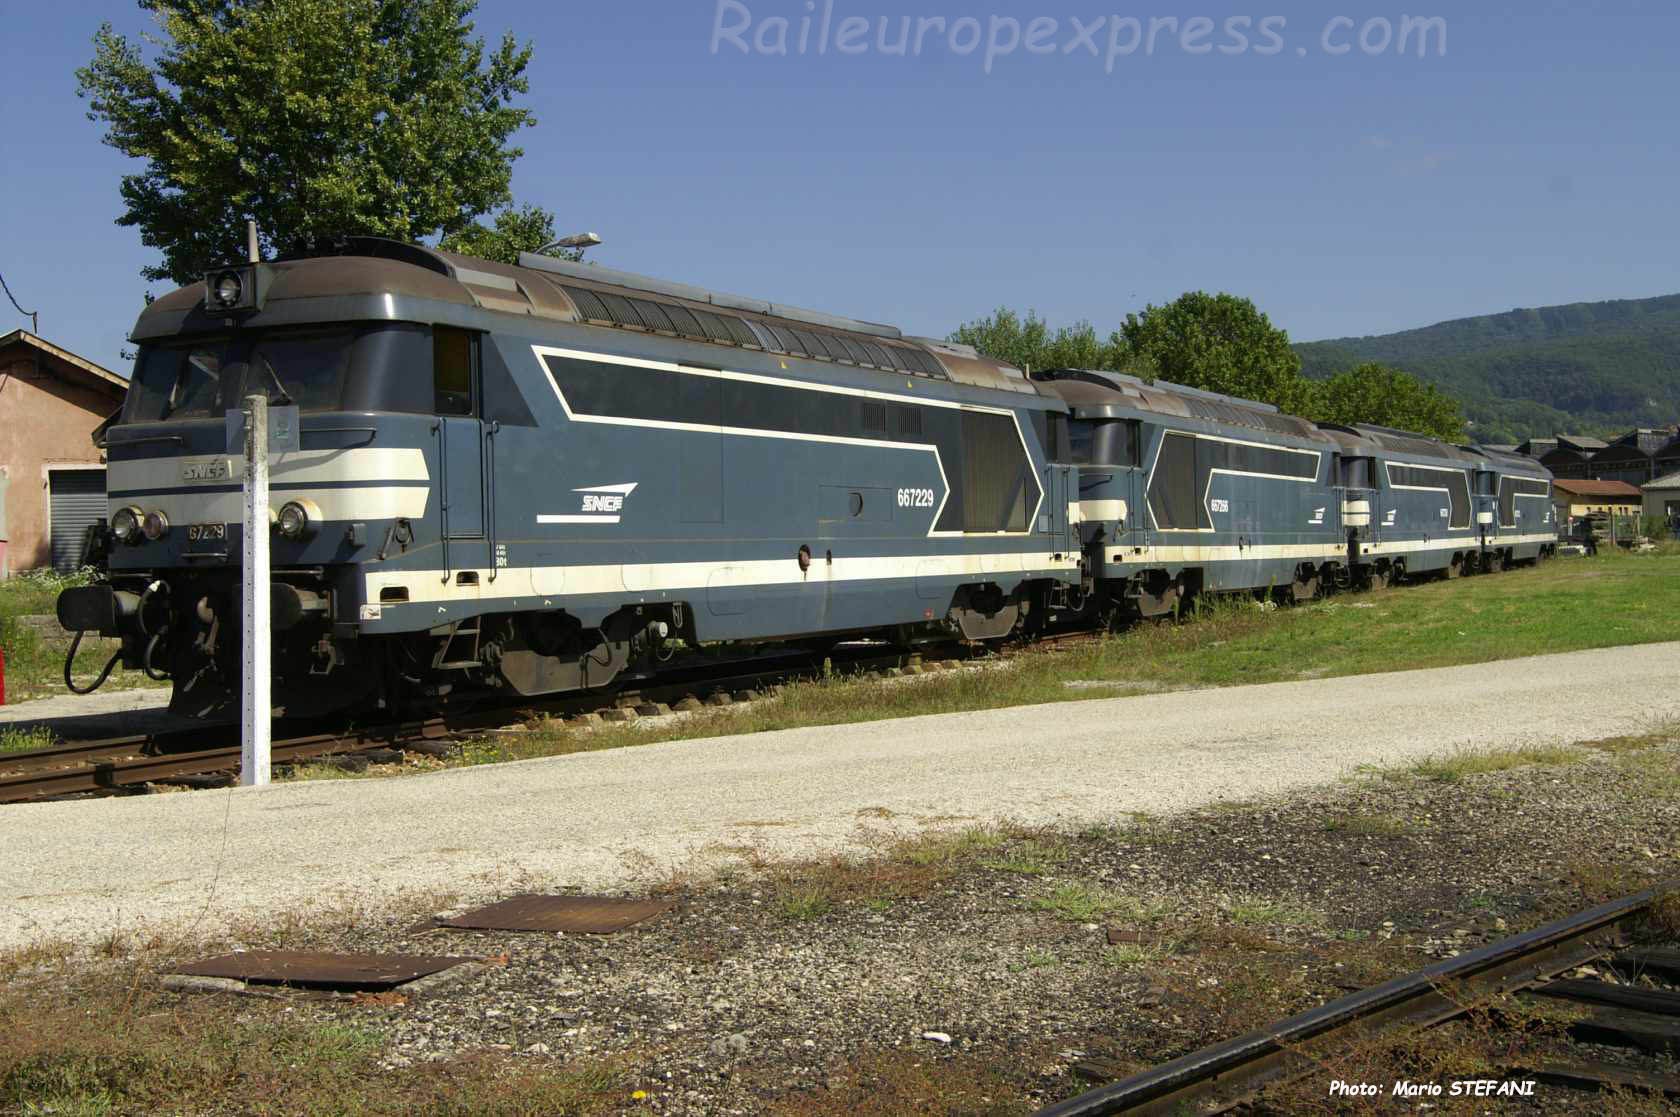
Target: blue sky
x,y
1534,162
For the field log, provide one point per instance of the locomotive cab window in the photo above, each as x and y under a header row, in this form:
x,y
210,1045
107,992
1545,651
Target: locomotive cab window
x,y
454,370
1103,442
206,377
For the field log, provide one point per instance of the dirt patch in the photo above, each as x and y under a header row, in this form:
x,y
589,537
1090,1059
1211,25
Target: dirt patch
x,y
968,969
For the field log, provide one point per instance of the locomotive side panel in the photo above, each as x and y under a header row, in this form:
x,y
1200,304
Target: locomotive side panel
x,y
769,505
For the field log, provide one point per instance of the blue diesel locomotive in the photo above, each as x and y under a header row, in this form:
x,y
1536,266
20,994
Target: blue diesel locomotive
x,y
557,477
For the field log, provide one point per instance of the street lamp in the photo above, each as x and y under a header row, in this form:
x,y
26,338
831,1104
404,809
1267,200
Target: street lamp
x,y
579,241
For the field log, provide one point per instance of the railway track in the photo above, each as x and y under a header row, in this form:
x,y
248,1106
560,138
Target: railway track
x,y
128,763
125,764
1638,1011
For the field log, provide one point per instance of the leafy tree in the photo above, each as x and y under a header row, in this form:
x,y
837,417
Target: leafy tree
x,y
1377,393
318,118
1029,343
1219,343
515,230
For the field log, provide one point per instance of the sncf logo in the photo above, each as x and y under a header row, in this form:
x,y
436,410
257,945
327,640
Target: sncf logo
x,y
605,500
597,504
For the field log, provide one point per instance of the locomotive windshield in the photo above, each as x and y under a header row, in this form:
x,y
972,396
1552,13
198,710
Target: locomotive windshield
x,y
206,378
351,367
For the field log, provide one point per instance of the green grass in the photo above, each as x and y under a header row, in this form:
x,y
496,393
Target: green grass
x,y
1367,825
1029,858
1255,912
25,740
1133,954
1032,960
1455,766
1084,903
95,1045
805,904
1565,605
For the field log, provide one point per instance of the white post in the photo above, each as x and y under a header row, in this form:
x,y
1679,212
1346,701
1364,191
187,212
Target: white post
x,y
254,713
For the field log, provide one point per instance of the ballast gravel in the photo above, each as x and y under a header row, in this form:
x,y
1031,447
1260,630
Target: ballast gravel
x,y
82,871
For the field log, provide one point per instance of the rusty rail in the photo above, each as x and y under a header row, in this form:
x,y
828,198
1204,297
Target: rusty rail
x,y
1227,1074
115,764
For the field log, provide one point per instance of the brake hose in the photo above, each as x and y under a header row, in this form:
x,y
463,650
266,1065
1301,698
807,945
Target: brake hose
x,y
146,662
70,660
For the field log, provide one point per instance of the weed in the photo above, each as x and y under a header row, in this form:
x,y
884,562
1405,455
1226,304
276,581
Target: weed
x,y
108,1043
891,1083
1032,960
1656,773
1029,858
946,847
26,740
1455,766
1665,734
1367,825
1599,881
806,903
1663,916
1252,912
1082,903
1133,954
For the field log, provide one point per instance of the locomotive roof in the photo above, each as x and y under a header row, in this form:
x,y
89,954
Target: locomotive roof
x,y
1095,393
365,270
1511,460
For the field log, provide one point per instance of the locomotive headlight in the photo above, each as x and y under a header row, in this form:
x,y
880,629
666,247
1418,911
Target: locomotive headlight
x,y
125,524
154,525
227,289
298,519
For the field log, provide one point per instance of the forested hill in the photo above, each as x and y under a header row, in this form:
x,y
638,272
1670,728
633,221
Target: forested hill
x,y
1582,368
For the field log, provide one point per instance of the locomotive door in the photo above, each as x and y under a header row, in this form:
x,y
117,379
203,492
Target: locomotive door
x,y
460,433
463,477
1060,487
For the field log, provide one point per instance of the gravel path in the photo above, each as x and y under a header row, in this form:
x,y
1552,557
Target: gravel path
x,y
81,870
104,713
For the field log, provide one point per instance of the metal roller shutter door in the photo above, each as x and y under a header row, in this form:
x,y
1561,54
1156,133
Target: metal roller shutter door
x,y
77,500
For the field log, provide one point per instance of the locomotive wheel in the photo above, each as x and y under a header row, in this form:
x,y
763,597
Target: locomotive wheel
x,y
1455,569
1378,580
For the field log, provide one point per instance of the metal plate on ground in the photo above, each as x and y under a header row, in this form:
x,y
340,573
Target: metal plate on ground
x,y
312,970
595,915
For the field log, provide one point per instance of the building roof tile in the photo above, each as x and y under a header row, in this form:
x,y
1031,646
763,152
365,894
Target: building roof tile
x,y
1574,487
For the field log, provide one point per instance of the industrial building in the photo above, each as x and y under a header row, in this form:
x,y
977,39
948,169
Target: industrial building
x,y
52,476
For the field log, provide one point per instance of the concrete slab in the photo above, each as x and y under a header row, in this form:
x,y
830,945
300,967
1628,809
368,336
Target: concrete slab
x,y
91,717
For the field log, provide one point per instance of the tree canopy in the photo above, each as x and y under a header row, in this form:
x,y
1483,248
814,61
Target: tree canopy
x,y
515,229
319,118
1373,392
1027,342
1220,343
